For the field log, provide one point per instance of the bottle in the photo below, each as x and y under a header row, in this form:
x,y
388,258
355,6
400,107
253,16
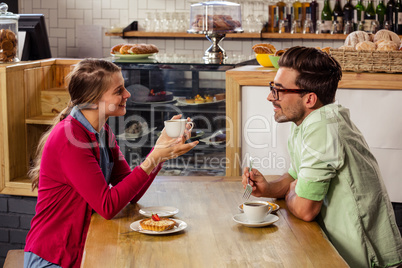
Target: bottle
x,y
389,14
380,11
281,8
290,18
398,18
305,5
326,17
296,6
314,14
272,17
359,14
308,24
369,16
348,11
338,15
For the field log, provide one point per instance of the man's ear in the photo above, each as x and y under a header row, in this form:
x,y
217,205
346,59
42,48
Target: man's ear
x,y
311,101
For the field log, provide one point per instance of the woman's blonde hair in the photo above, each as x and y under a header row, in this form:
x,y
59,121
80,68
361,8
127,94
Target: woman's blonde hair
x,y
87,83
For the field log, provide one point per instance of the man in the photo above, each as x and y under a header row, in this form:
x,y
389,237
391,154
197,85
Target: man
x,y
333,177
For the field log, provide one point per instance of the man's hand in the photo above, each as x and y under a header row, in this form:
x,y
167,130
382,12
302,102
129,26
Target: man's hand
x,y
257,182
263,188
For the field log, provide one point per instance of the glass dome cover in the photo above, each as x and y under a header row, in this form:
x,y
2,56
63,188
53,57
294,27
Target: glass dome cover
x,y
8,35
215,17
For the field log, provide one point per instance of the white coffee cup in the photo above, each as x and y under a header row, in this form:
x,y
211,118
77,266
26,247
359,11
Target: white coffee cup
x,y
256,211
175,127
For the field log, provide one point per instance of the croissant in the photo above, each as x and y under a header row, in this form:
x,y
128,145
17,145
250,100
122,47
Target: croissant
x,y
268,48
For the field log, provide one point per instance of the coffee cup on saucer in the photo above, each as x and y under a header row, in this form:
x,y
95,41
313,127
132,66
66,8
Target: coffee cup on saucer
x,y
256,211
175,127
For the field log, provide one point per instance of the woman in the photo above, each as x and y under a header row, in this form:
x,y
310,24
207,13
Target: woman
x,y
76,161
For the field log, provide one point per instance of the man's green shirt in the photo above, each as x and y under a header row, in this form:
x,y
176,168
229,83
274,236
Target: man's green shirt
x,y
332,162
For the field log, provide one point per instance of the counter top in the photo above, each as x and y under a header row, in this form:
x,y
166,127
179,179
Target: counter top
x,y
212,238
255,75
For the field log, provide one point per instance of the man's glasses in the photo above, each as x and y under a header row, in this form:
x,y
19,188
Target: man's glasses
x,y
275,90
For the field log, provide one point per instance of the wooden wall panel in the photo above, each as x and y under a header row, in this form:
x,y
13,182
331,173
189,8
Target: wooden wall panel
x,y
16,106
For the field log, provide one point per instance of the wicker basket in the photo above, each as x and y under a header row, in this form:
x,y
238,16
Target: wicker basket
x,y
369,61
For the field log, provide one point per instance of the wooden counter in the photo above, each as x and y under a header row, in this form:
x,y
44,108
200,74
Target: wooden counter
x,y
261,76
212,238
31,93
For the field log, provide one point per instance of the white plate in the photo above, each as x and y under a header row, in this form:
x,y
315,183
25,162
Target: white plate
x,y
129,136
154,102
242,219
182,101
131,56
207,140
162,211
180,225
276,209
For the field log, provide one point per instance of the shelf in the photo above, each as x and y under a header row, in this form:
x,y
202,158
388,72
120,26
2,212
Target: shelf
x,y
133,34
41,120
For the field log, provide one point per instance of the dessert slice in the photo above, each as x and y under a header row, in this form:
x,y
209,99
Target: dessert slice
x,y
157,224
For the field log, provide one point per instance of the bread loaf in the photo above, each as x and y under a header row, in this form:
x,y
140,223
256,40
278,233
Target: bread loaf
x,y
356,37
386,45
366,45
143,49
387,35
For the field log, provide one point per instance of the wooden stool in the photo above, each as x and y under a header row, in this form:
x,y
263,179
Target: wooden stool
x,y
14,259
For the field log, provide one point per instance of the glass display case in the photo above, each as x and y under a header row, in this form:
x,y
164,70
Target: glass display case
x,y
165,86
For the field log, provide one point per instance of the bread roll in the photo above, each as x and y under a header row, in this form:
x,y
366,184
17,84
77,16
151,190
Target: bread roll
x,y
386,45
326,49
356,37
116,49
366,45
280,52
124,49
387,35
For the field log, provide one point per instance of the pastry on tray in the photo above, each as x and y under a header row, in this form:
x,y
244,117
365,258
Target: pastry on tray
x,y
157,224
134,49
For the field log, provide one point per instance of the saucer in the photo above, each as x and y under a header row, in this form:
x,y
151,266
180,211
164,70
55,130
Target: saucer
x,y
162,211
242,219
274,206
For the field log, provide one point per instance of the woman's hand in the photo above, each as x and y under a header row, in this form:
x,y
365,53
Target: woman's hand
x,y
168,148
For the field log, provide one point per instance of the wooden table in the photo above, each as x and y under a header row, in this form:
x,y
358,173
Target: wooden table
x,y
212,238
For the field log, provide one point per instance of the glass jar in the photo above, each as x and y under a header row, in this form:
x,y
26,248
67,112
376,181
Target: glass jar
x,y
8,35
